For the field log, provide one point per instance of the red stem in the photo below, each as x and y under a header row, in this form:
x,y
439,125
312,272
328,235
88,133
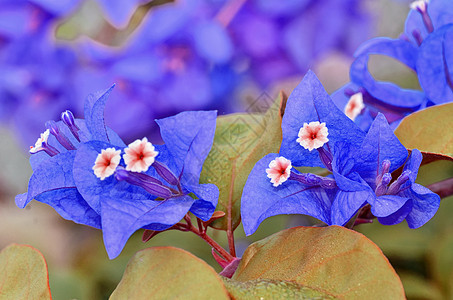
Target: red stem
x,y
201,228
443,188
202,233
230,232
227,256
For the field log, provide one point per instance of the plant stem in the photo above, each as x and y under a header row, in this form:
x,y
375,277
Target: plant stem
x,y
230,233
227,256
200,226
443,188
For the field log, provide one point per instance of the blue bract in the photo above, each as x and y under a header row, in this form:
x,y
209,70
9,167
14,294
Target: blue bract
x,y
317,134
88,175
52,181
426,47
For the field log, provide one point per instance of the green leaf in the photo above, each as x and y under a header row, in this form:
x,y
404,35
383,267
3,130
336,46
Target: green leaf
x,y
429,131
23,273
417,287
332,260
240,141
169,273
272,289
441,259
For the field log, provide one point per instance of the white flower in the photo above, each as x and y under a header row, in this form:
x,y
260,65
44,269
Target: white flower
x,y
354,106
279,170
106,163
419,5
38,145
139,155
313,135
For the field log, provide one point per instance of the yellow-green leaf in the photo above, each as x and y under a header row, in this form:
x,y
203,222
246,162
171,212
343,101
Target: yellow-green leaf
x,y
169,273
240,141
429,130
23,273
272,289
333,260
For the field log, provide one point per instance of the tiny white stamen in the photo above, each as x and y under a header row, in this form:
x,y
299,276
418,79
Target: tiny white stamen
x,y
279,170
139,155
354,106
419,5
313,135
38,145
106,162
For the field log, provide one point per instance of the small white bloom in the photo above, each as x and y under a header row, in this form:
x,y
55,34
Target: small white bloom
x,y
313,135
279,170
139,155
38,145
354,106
106,163
419,5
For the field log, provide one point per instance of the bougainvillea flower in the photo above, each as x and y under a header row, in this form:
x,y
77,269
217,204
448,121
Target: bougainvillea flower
x,y
361,167
79,170
22,18
283,39
35,85
426,47
435,65
301,193
52,181
159,197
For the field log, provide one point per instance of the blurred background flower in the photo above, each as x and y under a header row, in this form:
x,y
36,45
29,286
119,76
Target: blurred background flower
x,y
165,57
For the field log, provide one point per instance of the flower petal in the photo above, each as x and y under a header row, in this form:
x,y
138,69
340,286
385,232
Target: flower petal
x,y
70,205
386,205
413,164
188,137
121,217
94,114
260,199
208,196
435,65
310,102
398,216
346,205
91,187
56,173
440,12
379,144
425,205
386,92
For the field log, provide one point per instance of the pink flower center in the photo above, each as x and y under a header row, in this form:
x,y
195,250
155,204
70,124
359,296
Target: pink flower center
x,y
354,106
106,163
313,135
279,170
139,155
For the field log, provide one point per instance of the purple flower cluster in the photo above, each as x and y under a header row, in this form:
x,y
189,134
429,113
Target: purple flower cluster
x,y
425,47
317,134
79,171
